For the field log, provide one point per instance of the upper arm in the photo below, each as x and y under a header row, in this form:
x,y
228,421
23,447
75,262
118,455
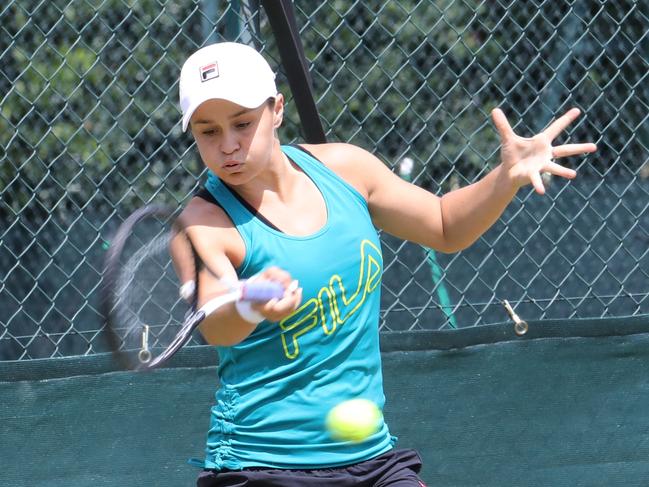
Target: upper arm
x,y
396,206
221,249
215,240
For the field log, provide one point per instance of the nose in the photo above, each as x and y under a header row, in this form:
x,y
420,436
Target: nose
x,y
229,142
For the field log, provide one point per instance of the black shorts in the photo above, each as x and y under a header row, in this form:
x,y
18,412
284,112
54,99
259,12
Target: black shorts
x,y
396,468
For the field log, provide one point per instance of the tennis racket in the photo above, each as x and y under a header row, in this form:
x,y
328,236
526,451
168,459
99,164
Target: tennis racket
x,y
150,289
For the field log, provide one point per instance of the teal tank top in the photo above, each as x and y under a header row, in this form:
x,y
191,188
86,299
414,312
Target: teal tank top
x,y
277,386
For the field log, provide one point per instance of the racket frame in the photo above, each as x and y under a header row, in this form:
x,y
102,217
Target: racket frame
x,y
143,359
250,290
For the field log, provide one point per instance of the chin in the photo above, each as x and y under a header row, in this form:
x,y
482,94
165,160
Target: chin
x,y
235,179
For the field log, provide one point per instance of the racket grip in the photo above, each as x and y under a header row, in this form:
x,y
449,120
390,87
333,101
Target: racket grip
x,y
261,291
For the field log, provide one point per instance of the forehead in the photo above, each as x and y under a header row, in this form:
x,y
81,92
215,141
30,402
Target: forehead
x,y
217,109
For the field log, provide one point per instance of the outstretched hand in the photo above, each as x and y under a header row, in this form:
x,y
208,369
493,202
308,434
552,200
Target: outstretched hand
x,y
526,158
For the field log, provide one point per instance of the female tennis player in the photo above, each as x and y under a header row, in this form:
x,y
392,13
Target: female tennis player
x,y
308,214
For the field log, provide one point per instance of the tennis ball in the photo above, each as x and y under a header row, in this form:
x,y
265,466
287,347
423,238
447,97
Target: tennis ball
x,y
354,420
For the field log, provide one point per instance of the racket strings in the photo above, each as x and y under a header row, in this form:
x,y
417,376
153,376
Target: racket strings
x,y
147,304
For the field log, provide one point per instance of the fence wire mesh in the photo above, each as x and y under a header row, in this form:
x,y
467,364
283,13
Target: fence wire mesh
x,y
89,131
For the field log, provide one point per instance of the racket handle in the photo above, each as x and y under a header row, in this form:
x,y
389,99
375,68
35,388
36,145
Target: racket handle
x,y
261,291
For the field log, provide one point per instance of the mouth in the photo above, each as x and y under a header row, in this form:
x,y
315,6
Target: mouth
x,y
232,166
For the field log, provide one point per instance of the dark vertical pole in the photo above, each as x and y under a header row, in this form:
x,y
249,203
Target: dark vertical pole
x,y
282,20
233,21
208,8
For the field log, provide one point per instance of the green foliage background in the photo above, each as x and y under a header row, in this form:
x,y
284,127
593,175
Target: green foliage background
x,y
89,123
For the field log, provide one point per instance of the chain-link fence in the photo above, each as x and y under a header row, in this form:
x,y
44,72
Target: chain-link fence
x,y
89,131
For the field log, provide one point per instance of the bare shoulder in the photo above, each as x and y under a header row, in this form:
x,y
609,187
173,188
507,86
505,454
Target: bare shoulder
x,y
352,163
339,154
211,226
200,212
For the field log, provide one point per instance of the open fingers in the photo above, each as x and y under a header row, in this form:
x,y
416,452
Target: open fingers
x,y
502,125
537,182
567,150
560,124
559,170
535,178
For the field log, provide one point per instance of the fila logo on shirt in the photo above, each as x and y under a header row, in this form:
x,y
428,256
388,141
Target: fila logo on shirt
x,y
335,303
209,71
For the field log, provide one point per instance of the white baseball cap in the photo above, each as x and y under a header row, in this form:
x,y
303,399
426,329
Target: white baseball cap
x,y
226,70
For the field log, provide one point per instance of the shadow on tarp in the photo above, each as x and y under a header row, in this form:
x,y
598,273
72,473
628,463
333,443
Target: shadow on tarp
x,y
565,405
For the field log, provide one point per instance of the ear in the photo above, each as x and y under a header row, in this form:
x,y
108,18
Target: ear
x,y
278,111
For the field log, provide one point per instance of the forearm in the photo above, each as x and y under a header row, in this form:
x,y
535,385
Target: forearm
x,y
231,323
468,212
226,327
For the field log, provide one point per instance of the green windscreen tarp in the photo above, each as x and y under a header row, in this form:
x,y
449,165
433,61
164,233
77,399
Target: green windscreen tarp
x,y
565,405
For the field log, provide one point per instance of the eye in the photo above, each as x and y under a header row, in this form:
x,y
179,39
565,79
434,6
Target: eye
x,y
209,132
243,125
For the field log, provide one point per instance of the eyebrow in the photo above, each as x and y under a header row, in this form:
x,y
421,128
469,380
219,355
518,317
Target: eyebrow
x,y
234,115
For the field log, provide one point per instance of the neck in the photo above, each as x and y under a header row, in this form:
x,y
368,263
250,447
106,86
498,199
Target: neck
x,y
280,178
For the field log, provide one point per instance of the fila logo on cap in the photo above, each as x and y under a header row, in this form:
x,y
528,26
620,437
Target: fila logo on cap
x,y
209,71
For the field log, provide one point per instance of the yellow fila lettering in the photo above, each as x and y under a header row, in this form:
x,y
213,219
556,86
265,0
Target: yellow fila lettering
x,y
334,305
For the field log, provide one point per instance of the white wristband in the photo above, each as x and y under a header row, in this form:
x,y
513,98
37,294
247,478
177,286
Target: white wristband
x,y
244,308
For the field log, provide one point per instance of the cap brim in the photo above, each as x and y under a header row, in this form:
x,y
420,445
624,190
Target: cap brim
x,y
245,102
